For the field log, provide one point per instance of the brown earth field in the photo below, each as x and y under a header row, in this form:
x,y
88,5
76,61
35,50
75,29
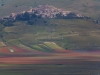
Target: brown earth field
x,y
64,62
21,56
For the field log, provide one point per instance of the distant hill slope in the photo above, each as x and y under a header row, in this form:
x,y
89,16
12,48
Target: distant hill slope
x,y
86,7
69,34
50,33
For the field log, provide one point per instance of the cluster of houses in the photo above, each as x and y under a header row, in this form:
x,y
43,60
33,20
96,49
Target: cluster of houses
x,y
44,11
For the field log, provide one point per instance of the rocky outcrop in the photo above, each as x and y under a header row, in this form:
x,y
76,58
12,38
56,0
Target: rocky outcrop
x,y
43,11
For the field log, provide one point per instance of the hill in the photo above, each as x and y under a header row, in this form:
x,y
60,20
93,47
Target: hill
x,y
69,30
71,34
87,7
44,11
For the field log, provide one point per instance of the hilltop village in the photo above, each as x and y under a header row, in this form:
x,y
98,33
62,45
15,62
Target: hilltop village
x,y
43,11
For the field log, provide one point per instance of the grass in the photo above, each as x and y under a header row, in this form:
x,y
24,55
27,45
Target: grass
x,y
52,45
37,47
67,33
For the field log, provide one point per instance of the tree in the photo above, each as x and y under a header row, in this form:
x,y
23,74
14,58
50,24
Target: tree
x,y
71,15
8,23
31,22
24,16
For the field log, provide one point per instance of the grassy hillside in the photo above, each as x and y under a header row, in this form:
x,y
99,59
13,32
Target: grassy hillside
x,y
72,34
49,34
86,7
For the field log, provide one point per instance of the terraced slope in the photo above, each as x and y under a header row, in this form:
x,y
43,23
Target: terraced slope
x,y
49,34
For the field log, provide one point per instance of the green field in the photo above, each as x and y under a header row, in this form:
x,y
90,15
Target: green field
x,y
72,34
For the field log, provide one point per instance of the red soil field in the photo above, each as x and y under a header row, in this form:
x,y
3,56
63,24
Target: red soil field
x,y
30,60
18,50
21,50
58,57
14,48
4,50
55,58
